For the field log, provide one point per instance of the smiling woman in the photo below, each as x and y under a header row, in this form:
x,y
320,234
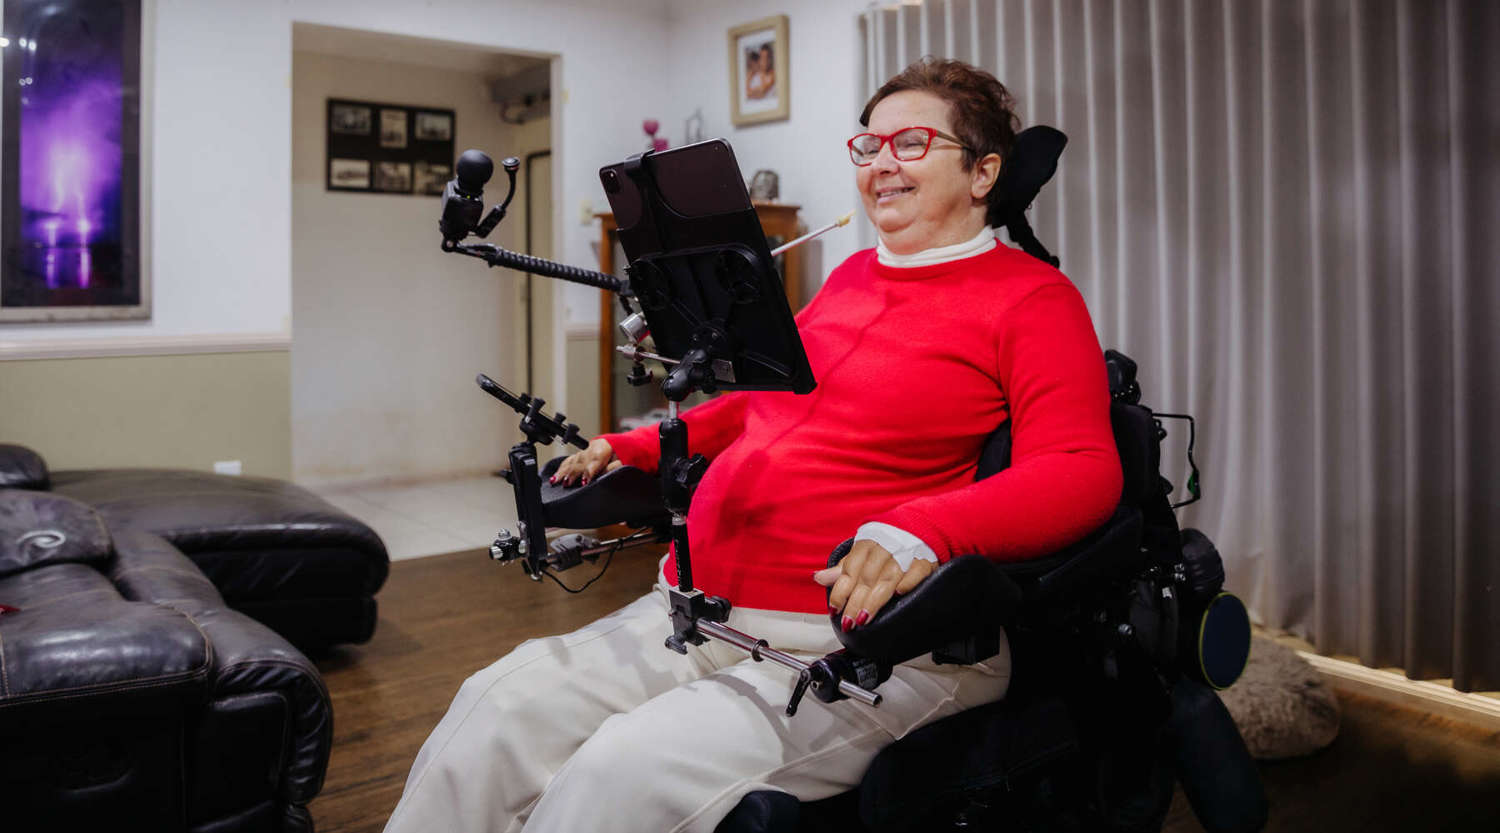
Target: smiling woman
x,y
987,334
935,193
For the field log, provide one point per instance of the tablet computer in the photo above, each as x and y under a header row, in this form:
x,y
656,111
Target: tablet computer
x,y
700,266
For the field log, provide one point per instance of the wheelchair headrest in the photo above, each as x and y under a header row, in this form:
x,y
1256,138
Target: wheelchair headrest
x,y
1032,162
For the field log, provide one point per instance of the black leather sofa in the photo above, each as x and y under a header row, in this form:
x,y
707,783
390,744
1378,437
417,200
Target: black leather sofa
x,y
132,696
275,551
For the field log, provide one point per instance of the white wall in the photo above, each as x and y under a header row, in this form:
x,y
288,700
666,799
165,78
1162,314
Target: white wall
x,y
220,104
388,331
221,118
218,100
807,150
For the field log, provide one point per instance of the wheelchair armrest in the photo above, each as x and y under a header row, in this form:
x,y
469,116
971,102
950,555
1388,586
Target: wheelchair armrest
x,y
625,495
965,602
965,597
1111,552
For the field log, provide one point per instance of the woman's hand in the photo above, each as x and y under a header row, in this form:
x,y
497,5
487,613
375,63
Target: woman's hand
x,y
866,579
587,464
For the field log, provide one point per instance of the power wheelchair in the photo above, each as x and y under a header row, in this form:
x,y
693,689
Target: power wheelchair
x,y
1117,641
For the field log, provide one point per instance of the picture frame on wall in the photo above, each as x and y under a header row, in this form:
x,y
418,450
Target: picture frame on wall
x,y
380,148
75,165
759,77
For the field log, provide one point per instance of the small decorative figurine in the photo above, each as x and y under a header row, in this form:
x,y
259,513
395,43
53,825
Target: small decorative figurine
x,y
657,142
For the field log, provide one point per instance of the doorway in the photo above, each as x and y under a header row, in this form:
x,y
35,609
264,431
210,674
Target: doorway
x,y
388,331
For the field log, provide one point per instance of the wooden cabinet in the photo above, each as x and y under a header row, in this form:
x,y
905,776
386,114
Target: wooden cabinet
x,y
618,399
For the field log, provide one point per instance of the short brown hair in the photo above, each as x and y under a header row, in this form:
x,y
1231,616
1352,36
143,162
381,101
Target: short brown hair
x,y
982,109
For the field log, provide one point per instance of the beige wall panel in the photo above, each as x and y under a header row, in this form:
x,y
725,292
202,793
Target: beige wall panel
x,y
183,411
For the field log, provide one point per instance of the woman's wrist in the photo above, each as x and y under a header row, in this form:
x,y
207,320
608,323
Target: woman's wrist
x,y
903,546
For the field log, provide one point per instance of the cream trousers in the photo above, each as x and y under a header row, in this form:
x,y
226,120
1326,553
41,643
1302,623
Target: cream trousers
x,y
604,729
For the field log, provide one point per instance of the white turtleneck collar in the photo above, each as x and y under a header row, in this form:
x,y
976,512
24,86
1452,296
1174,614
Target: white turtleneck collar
x,y
981,242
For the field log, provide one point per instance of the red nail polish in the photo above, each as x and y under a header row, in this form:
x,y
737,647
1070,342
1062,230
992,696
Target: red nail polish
x,y
847,624
863,617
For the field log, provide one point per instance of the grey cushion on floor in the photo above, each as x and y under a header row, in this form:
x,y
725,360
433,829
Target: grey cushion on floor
x,y
1283,706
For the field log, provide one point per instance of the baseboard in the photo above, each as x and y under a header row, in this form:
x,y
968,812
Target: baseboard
x,y
1478,710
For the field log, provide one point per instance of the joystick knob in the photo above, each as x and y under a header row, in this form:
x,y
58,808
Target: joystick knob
x,y
473,170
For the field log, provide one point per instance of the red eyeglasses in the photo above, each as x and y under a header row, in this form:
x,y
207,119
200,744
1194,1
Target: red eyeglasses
x,y
907,144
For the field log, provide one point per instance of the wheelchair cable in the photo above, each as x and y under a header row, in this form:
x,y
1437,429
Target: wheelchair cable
x,y
1193,487
608,557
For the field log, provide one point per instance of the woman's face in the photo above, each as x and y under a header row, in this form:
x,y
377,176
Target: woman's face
x,y
932,201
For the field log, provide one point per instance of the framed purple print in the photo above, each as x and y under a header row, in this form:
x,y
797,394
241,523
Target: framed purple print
x,y
72,219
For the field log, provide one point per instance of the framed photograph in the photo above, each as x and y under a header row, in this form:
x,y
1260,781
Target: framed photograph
x,y
383,148
758,76
434,127
350,174
432,179
392,128
350,120
393,177
74,161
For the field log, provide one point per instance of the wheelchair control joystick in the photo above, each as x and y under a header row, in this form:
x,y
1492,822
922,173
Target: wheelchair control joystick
x,y
529,543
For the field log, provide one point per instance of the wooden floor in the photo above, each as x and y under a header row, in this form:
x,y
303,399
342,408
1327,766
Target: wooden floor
x,y
444,617
441,619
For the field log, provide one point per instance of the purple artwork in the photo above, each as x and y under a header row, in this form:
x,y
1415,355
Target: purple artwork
x,y
71,195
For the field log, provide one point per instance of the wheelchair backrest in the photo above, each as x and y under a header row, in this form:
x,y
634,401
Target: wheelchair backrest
x,y
1136,437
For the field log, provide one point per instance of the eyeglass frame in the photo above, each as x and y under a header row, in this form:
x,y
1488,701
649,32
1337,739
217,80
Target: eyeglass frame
x,y
932,132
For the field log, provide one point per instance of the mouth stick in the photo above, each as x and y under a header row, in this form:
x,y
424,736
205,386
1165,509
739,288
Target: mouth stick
x,y
842,221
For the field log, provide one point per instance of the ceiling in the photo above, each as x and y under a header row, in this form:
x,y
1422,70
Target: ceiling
x,y
404,49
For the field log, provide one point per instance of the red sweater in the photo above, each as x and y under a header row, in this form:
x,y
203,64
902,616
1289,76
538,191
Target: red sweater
x,y
915,367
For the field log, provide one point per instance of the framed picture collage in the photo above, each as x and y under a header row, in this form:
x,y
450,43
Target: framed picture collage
x,y
388,148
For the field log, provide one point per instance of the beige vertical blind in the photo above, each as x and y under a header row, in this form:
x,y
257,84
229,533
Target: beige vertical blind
x,y
1287,211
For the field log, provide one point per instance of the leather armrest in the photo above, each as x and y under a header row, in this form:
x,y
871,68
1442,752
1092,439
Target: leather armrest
x,y
966,596
61,652
625,495
22,468
249,658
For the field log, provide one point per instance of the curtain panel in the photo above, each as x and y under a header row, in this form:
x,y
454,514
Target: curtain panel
x,y
1288,212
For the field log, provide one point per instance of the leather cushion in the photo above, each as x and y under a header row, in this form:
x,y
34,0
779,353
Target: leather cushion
x,y
197,510
70,640
22,468
246,528
289,572
315,624
38,528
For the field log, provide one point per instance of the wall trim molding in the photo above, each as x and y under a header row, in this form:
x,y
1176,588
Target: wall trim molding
x,y
173,345
1434,698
